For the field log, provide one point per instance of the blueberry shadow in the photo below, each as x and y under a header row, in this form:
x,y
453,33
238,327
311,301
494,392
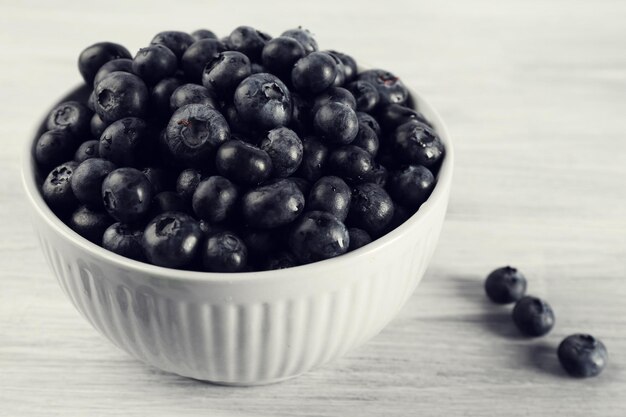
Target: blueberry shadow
x,y
542,356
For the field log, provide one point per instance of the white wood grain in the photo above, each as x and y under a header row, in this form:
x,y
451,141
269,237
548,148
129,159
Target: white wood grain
x,y
533,92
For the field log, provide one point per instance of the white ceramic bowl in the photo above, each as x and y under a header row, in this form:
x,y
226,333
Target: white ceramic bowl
x,y
246,328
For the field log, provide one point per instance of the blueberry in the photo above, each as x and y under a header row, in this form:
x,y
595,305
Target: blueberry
x,y
119,95
340,78
87,180
154,62
400,215
314,73
330,194
172,239
214,199
120,141
256,68
167,201
301,120
379,175
358,238
533,316
371,208
243,163
55,147
87,150
314,157
417,144
89,223
303,185
191,94
91,101
263,101
391,89
284,149
175,41
351,163
224,252
57,187
249,41
365,94
97,125
260,244
159,179
124,240
70,115
367,139
336,123
236,123
393,115
95,56
349,64
304,36
196,57
187,182
194,133
334,95
280,260
161,94
224,71
272,205
369,120
582,355
280,54
203,34
126,193
505,285
411,185
318,235
122,64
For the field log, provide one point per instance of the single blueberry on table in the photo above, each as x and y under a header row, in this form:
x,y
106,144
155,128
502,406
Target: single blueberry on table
x,y
87,150
87,180
196,57
417,144
214,199
124,240
367,140
263,101
390,88
411,185
280,54
272,205
70,115
336,123
318,235
332,195
172,240
351,163
358,238
120,142
175,41
119,95
243,163
160,96
304,36
90,224
122,64
187,182
334,95
203,34
314,157
126,193
249,41
95,56
55,147
505,285
533,316
365,94
582,355
314,73
371,208
224,71
154,62
349,64
284,148
191,94
57,188
224,252
97,125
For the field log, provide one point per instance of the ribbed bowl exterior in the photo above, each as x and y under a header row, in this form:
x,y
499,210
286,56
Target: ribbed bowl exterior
x,y
243,329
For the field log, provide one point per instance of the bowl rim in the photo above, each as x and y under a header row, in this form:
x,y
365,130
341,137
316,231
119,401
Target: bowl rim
x,y
444,179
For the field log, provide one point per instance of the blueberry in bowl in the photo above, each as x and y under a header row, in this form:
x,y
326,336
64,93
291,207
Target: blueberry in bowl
x,y
205,231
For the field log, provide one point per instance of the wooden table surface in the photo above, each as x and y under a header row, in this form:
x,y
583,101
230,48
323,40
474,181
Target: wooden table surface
x,y
534,95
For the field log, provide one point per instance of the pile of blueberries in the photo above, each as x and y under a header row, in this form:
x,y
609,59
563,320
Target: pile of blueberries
x,y
581,355
243,153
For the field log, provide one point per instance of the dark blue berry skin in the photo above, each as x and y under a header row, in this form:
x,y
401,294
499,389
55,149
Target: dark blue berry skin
x,y
314,158
95,56
272,205
340,78
122,64
87,150
314,73
318,235
166,201
57,188
303,185
87,180
417,144
175,41
334,95
400,215
196,57
263,101
119,143
336,123
214,199
91,101
349,64
358,238
256,68
97,125
124,240
365,94
160,96
243,163
172,239
126,194
260,244
191,94
70,115
411,185
284,148
203,34
379,175
505,285
280,260
224,252
90,224
55,147
390,88
187,182
301,118
120,95
160,179
582,355
280,54
223,72
249,41
371,208
533,316
394,115
351,163
369,120
332,195
154,62
194,133
303,36
367,139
